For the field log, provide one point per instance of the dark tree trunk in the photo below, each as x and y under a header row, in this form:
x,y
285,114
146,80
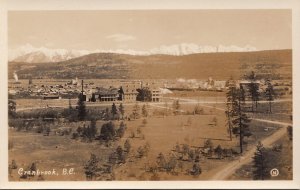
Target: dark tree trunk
x,y
229,126
240,125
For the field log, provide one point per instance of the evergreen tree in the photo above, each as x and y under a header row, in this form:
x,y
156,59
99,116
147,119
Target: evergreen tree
x,y
171,164
219,151
161,161
11,108
108,131
136,111
14,164
91,167
144,111
196,170
81,109
114,110
79,130
122,110
259,160
127,145
231,103
119,152
240,120
144,94
269,93
121,130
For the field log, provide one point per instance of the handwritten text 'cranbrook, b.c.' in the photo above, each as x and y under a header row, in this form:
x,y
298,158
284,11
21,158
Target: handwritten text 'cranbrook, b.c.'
x,y
64,171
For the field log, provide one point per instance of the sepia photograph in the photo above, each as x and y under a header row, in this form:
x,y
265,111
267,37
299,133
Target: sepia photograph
x,y
150,95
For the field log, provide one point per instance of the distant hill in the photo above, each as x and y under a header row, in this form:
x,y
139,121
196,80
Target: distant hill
x,y
198,66
30,54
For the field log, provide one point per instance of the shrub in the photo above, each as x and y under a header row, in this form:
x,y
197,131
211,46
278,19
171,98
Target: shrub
x,y
13,164
171,164
219,151
198,110
75,135
121,154
127,145
196,170
121,130
143,150
161,161
108,131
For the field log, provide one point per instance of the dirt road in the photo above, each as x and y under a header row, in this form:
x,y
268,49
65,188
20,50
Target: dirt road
x,y
230,168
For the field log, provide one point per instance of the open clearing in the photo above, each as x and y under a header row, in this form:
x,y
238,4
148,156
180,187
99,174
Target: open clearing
x,y
162,133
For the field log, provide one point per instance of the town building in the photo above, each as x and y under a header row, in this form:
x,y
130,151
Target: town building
x,y
155,91
128,93
106,95
156,95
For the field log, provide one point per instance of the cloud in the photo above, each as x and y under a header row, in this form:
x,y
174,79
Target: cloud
x,y
121,37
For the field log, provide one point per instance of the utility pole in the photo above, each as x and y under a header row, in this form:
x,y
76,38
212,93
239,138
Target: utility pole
x,y
82,87
81,90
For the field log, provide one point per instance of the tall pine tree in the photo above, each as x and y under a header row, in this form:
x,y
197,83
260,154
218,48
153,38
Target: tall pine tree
x,y
240,121
260,171
91,167
114,110
231,103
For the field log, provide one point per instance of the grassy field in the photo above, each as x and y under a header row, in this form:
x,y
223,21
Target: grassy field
x,y
161,133
51,152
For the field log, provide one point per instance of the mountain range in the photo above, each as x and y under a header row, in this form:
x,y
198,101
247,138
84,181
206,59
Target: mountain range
x,y
191,66
31,54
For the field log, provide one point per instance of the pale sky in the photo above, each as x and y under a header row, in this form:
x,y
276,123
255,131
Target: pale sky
x,y
146,29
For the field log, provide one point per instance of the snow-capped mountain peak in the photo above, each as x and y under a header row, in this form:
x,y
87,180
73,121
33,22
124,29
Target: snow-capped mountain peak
x,y
29,53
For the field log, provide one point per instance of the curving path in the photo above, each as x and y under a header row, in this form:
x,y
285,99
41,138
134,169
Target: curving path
x,y
230,168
